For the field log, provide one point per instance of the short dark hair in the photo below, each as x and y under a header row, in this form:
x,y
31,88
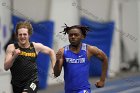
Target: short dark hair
x,y
83,29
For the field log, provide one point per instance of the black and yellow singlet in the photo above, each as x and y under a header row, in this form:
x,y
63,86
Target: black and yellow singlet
x,y
24,69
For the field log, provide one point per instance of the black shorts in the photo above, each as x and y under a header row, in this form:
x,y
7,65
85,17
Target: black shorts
x,y
30,88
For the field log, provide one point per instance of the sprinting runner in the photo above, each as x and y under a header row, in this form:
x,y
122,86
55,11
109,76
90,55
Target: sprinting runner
x,y
75,60
20,59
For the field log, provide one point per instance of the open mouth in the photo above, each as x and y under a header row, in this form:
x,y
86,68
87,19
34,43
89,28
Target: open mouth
x,y
22,40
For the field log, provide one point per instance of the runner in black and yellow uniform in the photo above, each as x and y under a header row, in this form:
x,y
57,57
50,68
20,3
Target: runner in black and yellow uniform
x,y
20,59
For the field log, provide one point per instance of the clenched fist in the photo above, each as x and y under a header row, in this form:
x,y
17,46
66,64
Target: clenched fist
x,y
99,84
16,52
59,55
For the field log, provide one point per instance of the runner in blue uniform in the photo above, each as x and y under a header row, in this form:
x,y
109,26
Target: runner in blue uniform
x,y
75,60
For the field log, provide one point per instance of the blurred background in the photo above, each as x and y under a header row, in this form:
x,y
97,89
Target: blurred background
x,y
115,28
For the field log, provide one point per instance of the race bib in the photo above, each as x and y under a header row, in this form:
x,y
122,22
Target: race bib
x,y
33,86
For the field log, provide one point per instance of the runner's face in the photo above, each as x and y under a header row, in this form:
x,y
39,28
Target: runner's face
x,y
75,36
23,36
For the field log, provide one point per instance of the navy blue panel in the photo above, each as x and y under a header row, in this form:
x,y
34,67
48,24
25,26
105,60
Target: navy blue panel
x,y
100,36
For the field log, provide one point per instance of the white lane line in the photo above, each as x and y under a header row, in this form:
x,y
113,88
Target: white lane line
x,y
131,90
103,89
114,87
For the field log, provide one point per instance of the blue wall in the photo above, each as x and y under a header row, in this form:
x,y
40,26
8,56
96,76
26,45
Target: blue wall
x,y
101,37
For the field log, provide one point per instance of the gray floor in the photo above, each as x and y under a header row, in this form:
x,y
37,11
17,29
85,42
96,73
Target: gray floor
x,y
119,77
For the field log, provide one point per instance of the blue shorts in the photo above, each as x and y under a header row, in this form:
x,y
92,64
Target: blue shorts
x,y
85,91
79,91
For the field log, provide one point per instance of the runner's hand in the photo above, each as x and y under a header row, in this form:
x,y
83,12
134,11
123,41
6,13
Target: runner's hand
x,y
99,84
16,52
